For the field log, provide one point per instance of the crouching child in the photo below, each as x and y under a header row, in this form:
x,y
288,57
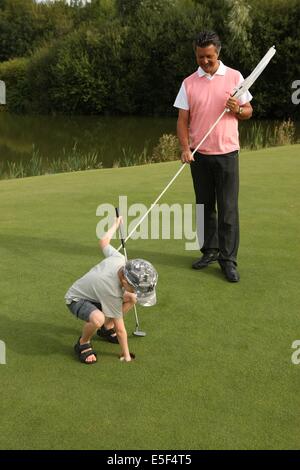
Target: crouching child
x,y
104,294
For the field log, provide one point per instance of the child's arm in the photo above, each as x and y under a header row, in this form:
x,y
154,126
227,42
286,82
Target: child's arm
x,y
105,240
129,300
122,337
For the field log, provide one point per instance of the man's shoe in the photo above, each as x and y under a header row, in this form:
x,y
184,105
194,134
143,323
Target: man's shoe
x,y
230,271
109,335
207,258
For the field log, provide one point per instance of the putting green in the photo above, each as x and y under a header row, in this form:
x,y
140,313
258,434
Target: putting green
x,y
215,369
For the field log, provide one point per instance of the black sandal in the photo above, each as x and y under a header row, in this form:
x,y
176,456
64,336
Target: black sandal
x,y
82,356
107,334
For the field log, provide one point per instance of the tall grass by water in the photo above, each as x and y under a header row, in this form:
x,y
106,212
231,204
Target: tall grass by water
x,y
167,149
130,157
257,136
73,160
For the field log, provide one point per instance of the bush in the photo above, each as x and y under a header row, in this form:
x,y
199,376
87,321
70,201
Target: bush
x,y
168,149
15,75
284,133
130,56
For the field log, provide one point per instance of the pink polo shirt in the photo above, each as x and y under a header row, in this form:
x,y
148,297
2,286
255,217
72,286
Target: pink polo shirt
x,y
205,97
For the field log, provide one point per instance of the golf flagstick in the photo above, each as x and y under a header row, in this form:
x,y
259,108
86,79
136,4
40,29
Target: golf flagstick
x,y
137,331
237,93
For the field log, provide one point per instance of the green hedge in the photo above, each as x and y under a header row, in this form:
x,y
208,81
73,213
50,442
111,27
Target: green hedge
x,y
130,56
15,75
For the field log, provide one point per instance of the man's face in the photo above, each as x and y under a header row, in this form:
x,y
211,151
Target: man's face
x,y
207,58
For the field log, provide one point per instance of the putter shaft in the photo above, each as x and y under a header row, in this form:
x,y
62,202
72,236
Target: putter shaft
x,y
137,325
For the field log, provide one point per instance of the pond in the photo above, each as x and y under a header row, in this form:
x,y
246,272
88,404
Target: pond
x,y
111,138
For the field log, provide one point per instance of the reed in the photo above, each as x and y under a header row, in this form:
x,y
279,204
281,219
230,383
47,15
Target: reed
x,y
73,160
258,136
129,157
284,133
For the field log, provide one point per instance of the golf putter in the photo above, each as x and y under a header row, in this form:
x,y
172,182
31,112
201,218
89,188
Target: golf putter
x,y
137,331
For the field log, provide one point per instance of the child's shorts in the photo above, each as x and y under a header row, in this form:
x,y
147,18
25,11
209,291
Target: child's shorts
x,y
83,308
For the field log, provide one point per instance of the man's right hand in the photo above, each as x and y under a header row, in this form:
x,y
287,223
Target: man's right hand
x,y
186,156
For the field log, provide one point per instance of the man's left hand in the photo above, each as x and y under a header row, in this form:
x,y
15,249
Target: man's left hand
x,y
233,105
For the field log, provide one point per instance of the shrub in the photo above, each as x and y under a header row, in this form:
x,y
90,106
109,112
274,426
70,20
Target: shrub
x,y
284,133
15,75
168,149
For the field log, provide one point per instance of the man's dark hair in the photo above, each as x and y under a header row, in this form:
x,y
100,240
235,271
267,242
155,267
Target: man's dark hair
x,y
208,38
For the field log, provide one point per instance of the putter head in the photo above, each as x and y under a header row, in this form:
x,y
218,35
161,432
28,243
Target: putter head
x,y
139,333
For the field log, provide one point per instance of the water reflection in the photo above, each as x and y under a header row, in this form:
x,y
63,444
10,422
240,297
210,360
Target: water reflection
x,y
104,135
107,136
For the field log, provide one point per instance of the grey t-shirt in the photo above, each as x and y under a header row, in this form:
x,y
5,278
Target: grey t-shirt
x,y
102,284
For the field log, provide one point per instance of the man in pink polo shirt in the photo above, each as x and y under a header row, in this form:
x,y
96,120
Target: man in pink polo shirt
x,y
214,167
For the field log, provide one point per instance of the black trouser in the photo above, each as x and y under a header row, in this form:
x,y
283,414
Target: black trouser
x,y
216,181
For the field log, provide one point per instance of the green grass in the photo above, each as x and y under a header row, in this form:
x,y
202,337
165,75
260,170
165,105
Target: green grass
x,y
213,372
